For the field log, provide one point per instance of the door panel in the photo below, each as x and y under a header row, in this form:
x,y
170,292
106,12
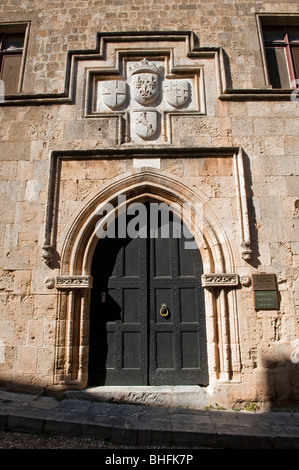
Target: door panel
x,y
164,350
190,352
131,343
131,304
118,351
162,257
188,305
131,350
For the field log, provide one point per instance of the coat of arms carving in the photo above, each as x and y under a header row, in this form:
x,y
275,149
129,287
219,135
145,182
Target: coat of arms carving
x,y
145,81
145,123
114,93
145,95
177,92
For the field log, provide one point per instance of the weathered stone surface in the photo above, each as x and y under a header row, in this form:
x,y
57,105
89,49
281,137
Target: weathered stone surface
x,y
54,124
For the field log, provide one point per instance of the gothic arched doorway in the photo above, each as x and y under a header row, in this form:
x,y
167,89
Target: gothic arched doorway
x,y
147,316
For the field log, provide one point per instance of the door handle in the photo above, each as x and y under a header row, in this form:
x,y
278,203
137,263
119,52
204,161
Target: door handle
x,y
164,312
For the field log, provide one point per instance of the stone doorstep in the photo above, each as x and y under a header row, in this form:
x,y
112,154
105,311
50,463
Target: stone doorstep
x,y
194,397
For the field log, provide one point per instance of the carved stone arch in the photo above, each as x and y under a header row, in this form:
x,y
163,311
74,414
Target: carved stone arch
x,y
155,186
75,281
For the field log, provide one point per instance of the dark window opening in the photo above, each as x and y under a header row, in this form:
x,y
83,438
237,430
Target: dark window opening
x,y
282,54
11,55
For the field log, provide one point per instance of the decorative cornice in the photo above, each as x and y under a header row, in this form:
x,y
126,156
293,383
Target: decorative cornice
x,y
73,282
220,280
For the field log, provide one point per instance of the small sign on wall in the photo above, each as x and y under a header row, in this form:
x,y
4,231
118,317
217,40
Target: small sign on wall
x,y
265,292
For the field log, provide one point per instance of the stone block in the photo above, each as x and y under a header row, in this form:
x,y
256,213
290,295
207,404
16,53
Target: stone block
x,y
268,126
292,185
33,189
241,127
25,424
35,333
64,424
75,130
270,208
27,359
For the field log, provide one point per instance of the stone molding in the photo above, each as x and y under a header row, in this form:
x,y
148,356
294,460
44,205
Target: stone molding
x,y
193,49
220,280
73,282
78,248
57,157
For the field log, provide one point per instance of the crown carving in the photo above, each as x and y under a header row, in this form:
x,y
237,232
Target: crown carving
x,y
144,66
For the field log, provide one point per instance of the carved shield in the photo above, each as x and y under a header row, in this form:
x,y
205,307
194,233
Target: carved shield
x,y
177,92
145,87
114,93
145,123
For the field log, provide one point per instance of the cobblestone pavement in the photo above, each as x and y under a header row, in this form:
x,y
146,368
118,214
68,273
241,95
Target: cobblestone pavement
x,y
16,440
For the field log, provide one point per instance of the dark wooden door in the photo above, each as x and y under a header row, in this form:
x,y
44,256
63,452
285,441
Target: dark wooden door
x,y
147,322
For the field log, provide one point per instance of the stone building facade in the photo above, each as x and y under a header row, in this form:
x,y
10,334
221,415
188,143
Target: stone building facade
x,y
107,103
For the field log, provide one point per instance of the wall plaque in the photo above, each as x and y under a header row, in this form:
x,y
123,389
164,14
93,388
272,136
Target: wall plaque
x,y
265,292
264,282
266,300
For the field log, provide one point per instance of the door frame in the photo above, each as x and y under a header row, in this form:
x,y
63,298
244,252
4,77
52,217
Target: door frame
x,y
149,324
71,352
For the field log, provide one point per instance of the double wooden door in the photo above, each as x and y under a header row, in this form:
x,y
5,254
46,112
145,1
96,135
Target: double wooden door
x,y
147,320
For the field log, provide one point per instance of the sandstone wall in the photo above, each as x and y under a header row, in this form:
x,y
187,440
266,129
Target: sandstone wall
x,y
266,130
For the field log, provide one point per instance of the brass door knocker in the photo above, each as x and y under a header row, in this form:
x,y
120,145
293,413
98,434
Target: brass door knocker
x,y
164,312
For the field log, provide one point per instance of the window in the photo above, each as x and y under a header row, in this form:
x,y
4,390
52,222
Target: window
x,y
13,42
11,53
282,55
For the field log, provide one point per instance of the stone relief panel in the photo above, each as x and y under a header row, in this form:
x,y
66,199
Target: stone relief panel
x,y
146,97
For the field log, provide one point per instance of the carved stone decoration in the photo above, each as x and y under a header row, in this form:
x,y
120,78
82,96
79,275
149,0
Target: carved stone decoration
x,y
47,254
220,280
73,282
145,123
114,93
145,86
50,283
245,280
246,251
177,92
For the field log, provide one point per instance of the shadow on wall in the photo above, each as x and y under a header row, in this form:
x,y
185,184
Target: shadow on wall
x,y
280,379
29,387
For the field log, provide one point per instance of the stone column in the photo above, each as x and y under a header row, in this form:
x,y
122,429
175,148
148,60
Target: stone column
x,y
76,327
218,285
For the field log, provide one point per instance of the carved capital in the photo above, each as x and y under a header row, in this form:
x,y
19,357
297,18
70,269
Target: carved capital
x,y
220,280
73,282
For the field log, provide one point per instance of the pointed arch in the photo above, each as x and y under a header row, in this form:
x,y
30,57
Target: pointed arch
x,y
211,238
80,240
